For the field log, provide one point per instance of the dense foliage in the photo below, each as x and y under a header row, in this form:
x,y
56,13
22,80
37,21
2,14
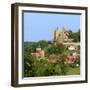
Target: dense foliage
x,y
75,36
55,49
35,67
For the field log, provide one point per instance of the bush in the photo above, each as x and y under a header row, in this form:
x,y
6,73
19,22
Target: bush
x,y
55,49
44,68
77,60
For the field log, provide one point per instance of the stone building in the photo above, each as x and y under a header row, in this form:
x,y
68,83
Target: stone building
x,y
61,36
39,53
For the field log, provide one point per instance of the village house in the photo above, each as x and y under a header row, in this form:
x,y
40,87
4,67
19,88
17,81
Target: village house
x,y
39,53
71,47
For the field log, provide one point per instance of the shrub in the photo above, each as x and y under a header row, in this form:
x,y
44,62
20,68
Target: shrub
x,y
55,49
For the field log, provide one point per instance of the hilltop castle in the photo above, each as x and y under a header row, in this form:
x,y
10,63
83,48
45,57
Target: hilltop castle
x,y
61,36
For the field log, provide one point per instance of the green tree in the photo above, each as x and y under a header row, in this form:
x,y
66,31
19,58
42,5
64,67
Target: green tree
x,y
55,49
75,35
42,43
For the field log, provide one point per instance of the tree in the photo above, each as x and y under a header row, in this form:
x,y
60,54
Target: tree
x,y
44,68
70,33
55,49
75,35
42,43
29,59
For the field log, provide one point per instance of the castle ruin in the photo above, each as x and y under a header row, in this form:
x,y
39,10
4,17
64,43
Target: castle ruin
x,y
61,36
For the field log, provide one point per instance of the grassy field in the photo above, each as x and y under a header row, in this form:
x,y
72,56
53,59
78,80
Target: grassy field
x,y
73,71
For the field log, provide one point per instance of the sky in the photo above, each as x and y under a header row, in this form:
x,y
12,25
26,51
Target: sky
x,y
40,26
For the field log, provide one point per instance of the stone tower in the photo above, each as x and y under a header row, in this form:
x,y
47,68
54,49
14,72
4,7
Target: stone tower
x,y
60,36
56,34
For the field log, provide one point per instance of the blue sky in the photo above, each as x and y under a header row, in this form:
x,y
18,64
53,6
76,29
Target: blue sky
x,y
40,26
